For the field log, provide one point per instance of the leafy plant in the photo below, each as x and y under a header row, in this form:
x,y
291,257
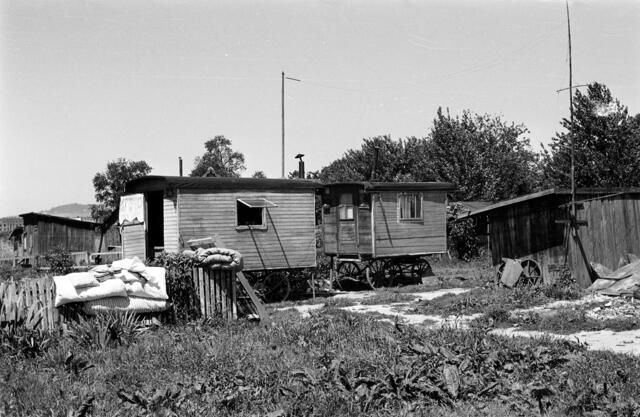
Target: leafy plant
x,y
106,330
461,234
20,334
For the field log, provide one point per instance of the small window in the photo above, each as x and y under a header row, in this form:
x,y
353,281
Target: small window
x,y
410,206
251,212
346,207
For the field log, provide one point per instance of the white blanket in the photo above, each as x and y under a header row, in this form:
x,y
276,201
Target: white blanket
x,y
67,293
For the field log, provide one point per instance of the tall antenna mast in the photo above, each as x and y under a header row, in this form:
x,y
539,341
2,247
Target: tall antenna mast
x,y
573,175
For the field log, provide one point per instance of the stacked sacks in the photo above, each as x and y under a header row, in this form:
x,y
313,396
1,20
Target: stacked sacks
x,y
126,285
217,258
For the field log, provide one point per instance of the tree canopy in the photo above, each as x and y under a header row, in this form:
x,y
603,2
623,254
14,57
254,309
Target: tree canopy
x,y
400,161
220,157
109,184
485,157
606,142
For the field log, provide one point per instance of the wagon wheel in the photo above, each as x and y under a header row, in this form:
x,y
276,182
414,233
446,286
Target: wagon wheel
x,y
393,272
349,269
419,269
531,274
275,286
499,271
376,273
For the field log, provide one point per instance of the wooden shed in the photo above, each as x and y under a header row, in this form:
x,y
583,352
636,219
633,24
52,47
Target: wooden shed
x,y
271,222
388,226
43,233
531,227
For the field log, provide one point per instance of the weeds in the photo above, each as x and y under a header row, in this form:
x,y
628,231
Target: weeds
x,y
105,330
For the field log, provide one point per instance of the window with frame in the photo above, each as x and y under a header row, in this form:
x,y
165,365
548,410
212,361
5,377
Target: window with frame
x,y
251,212
346,207
409,206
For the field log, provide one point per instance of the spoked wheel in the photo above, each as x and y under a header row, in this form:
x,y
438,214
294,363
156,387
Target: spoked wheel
x,y
531,274
393,272
275,286
499,271
419,269
376,273
348,269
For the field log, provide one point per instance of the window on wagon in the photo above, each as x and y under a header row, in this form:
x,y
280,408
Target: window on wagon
x,y
410,206
346,207
251,211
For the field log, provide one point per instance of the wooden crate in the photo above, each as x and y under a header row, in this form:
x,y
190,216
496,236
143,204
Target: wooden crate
x,y
217,292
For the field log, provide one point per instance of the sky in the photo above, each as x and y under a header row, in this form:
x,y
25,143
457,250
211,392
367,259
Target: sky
x,y
86,82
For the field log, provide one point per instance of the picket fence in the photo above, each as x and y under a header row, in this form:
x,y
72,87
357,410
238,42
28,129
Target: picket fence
x,y
17,298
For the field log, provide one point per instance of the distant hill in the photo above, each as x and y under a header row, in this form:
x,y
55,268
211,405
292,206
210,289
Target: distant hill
x,y
73,210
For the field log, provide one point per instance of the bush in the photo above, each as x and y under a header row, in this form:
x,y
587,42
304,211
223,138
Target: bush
x,y
180,288
59,260
461,234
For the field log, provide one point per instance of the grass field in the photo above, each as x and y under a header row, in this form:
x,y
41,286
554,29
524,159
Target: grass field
x,y
334,363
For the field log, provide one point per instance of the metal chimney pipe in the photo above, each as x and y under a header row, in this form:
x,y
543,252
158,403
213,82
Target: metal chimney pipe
x,y
301,169
180,165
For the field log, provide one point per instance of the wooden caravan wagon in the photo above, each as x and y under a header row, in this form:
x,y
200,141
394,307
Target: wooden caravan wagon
x,y
271,222
381,232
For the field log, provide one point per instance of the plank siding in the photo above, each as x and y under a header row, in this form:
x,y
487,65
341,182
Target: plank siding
x,y
393,237
287,242
134,241
330,231
365,245
171,243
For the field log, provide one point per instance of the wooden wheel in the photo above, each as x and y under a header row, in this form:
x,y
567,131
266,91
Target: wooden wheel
x,y
531,274
376,273
393,272
275,286
419,269
349,269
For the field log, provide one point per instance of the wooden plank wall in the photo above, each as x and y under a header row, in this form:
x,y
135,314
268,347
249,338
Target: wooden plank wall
x,y
134,241
287,242
330,231
217,292
364,231
398,238
613,230
18,297
171,241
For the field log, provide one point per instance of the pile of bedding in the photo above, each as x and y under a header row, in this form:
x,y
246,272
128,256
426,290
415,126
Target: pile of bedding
x,y
125,285
217,258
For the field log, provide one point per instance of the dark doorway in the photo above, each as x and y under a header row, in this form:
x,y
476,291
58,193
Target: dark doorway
x,y
155,223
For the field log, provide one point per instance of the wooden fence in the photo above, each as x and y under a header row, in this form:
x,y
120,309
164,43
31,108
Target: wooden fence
x,y
17,298
217,293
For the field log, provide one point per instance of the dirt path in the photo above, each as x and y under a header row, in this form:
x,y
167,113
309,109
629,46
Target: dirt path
x,y
619,342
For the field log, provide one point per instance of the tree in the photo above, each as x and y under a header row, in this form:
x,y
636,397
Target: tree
x,y
483,156
258,174
606,142
109,185
398,161
224,161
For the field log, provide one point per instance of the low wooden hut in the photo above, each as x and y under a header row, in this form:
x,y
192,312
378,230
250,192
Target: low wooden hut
x,y
271,222
534,227
42,233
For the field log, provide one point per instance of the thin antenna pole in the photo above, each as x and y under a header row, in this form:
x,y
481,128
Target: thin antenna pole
x,y
282,124
571,136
